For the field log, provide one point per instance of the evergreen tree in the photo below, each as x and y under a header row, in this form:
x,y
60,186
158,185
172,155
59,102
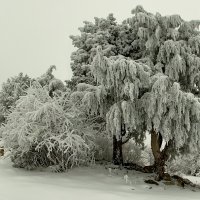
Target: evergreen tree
x,y
17,86
11,91
52,84
47,77
114,39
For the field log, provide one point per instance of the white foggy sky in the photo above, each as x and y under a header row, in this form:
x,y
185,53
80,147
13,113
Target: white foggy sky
x,y
34,34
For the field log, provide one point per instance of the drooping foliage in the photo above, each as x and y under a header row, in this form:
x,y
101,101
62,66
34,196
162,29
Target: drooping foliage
x,y
172,103
122,80
154,85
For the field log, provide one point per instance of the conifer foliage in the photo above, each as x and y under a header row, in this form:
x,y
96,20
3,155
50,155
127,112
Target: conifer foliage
x,y
11,91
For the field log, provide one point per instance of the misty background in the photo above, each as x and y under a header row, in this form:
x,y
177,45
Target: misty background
x,y
34,34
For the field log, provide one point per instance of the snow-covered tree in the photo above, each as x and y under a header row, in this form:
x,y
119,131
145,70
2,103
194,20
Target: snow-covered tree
x,y
11,91
47,77
158,92
45,131
52,84
114,39
119,79
172,104
16,86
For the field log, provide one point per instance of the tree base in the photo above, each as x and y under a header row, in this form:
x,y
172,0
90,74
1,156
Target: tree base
x,y
167,179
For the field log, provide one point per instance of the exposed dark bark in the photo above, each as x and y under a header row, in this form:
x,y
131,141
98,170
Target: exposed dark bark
x,y
117,151
149,181
133,166
2,119
1,151
125,136
149,169
159,166
125,139
160,157
136,167
186,182
51,93
117,146
167,179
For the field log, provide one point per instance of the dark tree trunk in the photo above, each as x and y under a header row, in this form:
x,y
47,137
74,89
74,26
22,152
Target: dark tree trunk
x,y
117,151
159,156
51,93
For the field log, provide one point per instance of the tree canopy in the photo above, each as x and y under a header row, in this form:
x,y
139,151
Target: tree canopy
x,y
148,82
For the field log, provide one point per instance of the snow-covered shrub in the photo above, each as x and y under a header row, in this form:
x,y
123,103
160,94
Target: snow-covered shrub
x,y
103,148
45,131
132,152
147,158
186,164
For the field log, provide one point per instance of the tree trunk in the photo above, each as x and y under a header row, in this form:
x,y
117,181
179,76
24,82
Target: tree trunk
x,y
117,151
51,93
159,156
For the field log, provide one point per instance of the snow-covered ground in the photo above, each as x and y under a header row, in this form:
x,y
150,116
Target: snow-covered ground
x,y
92,183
